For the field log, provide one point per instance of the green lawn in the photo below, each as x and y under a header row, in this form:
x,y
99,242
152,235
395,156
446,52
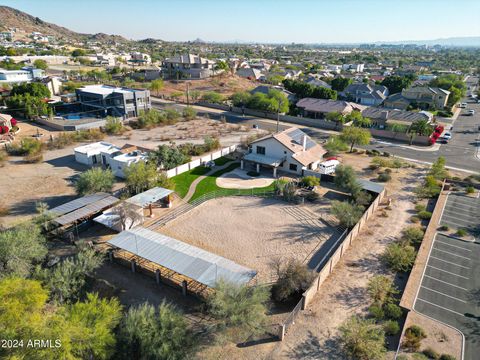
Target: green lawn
x,y
209,184
222,161
183,181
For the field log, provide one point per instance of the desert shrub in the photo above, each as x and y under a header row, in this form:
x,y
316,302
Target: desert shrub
x,y
347,213
171,116
279,185
402,357
429,189
424,215
384,177
293,279
444,228
388,171
391,327
289,191
376,312
189,113
419,356
447,357
362,339
312,196
470,190
420,207
415,219
381,289
310,181
4,210
3,157
412,235
393,311
94,180
461,232
114,126
431,353
413,337
399,257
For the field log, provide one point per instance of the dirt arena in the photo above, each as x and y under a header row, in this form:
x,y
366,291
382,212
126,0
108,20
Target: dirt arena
x,y
252,231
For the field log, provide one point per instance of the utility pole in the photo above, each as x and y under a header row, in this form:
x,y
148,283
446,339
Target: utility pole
x,y
188,93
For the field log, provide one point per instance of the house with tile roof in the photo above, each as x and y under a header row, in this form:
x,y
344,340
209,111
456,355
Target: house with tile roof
x,y
318,108
366,94
425,97
290,150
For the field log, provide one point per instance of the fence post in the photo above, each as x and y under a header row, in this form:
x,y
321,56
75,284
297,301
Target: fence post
x,y
133,266
281,334
184,288
157,276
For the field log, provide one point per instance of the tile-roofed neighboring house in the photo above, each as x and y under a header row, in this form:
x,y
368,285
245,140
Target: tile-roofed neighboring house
x,y
320,107
317,82
366,94
188,66
423,96
249,73
290,150
381,116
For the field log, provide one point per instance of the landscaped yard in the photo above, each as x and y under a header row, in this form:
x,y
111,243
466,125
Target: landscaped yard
x,y
183,181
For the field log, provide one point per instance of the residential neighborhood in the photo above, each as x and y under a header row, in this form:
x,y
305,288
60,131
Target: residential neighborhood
x,y
265,180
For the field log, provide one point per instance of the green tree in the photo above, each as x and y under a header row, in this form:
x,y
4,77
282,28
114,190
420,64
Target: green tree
x,y
142,176
335,145
21,247
294,278
34,89
357,119
399,257
241,98
168,157
395,84
340,83
94,180
346,179
213,97
146,334
362,340
90,325
420,127
355,136
412,235
68,279
381,290
239,306
79,52
335,116
40,64
430,188
114,126
347,213
222,65
156,86
438,170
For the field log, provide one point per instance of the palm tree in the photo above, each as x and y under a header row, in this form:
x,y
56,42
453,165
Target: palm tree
x,y
420,127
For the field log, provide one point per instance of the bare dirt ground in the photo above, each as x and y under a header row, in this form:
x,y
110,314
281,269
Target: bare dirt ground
x,y
250,231
225,84
51,181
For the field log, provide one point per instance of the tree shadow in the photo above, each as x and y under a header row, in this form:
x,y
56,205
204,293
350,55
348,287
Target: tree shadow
x,y
28,207
311,349
352,296
67,161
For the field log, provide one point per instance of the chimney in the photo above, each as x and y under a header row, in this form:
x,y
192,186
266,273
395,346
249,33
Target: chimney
x,y
304,142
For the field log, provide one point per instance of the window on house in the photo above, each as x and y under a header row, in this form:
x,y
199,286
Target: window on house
x,y
261,150
293,167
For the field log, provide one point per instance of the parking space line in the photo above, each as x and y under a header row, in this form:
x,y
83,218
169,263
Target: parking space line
x,y
465,216
441,307
463,220
443,294
445,282
448,272
448,262
460,256
456,246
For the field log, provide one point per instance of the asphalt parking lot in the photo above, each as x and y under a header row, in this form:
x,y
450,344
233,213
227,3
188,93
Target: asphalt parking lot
x,y
450,288
462,211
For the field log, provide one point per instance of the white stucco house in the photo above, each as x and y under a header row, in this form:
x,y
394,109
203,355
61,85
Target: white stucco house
x,y
290,150
110,156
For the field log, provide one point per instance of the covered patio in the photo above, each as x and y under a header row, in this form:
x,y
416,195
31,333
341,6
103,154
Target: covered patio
x,y
260,160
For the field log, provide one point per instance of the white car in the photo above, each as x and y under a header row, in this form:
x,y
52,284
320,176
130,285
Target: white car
x,y
447,136
462,105
471,112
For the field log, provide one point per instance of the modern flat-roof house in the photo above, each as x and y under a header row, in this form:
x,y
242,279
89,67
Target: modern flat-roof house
x,y
110,156
318,108
25,74
188,66
115,101
366,94
423,96
290,150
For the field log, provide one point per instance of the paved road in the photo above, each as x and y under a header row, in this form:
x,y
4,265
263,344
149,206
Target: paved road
x,y
459,153
450,288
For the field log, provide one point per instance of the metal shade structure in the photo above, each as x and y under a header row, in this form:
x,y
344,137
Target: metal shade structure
x,y
190,261
82,209
149,197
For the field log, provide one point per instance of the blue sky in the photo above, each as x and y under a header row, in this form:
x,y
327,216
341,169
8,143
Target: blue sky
x,y
301,21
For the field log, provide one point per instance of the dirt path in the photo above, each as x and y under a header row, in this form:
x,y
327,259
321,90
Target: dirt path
x,y
193,185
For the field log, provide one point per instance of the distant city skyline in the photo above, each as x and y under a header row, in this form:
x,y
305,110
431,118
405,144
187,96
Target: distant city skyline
x,y
264,21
